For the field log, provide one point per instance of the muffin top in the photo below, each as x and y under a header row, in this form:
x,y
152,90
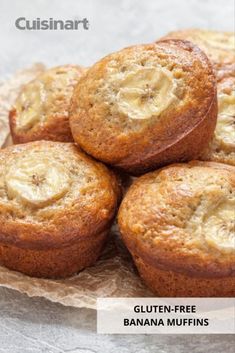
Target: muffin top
x,y
123,106
41,109
51,193
222,147
182,218
218,46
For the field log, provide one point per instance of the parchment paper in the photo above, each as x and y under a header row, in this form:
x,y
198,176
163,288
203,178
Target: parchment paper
x,y
113,275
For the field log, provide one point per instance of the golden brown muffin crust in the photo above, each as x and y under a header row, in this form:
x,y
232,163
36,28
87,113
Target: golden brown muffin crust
x,y
52,195
181,218
146,105
54,263
167,283
41,109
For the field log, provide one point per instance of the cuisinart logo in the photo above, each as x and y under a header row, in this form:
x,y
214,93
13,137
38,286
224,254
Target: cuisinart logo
x,y
38,24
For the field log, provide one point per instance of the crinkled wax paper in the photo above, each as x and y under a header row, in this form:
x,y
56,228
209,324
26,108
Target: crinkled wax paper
x,y
113,275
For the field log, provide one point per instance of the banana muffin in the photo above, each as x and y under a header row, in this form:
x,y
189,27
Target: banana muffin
x,y
41,109
222,147
178,223
218,46
146,106
56,208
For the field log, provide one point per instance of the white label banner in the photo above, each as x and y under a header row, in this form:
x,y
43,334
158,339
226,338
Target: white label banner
x,y
166,315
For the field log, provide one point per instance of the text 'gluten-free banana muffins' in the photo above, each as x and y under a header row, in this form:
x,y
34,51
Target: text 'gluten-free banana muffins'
x,y
56,208
178,223
146,106
41,109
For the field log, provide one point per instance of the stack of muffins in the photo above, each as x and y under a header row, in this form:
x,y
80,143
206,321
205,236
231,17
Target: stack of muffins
x,y
135,111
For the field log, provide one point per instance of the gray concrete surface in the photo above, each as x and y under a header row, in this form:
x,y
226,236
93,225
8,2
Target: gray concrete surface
x,y
36,325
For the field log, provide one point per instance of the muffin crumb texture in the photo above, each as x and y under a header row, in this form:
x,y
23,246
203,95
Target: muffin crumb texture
x,y
179,221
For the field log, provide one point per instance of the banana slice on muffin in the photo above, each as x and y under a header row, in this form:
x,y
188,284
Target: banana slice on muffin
x,y
37,184
41,109
146,106
56,208
178,223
